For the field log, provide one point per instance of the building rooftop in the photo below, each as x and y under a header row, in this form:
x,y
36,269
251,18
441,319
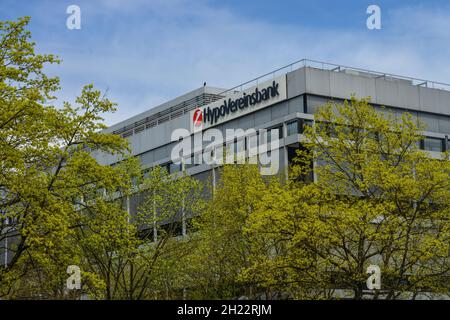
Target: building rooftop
x,y
205,95
167,111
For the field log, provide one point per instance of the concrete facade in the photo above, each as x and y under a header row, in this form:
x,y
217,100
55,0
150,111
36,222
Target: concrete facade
x,y
306,89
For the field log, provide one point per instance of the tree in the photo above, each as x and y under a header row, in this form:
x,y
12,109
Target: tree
x,y
47,168
145,266
378,199
221,249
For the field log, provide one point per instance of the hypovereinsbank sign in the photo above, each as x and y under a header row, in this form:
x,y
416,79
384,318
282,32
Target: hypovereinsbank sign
x,y
231,105
239,104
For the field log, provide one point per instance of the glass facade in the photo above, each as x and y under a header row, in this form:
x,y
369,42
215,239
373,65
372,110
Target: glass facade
x,y
433,144
432,122
292,128
435,123
271,134
173,168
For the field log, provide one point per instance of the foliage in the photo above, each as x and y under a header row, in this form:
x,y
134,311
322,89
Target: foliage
x,y
143,264
221,248
47,168
378,199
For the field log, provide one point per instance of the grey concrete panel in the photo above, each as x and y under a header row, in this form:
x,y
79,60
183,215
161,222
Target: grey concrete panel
x,y
387,93
263,116
343,85
408,96
296,105
428,99
247,122
318,81
279,110
443,103
444,125
296,83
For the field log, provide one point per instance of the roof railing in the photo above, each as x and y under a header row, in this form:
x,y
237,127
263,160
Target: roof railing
x,y
335,68
186,106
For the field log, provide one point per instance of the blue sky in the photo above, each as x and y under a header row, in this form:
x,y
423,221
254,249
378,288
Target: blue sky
x,y
147,52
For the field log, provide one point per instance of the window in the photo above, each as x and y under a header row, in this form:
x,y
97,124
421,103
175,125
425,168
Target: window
x,y
147,157
305,123
292,128
172,229
146,173
444,124
296,104
433,144
431,121
174,167
270,133
313,103
191,161
147,233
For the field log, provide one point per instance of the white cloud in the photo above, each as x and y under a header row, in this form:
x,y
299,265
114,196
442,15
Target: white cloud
x,y
173,47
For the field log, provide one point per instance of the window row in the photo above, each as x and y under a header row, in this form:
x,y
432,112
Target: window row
x,y
434,144
434,123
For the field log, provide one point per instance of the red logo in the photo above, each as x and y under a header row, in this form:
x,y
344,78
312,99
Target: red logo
x,y
198,117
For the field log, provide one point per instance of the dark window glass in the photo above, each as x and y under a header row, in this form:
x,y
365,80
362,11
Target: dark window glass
x,y
314,103
172,229
174,167
146,234
191,164
190,226
270,133
431,121
292,128
296,104
307,122
433,144
146,173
